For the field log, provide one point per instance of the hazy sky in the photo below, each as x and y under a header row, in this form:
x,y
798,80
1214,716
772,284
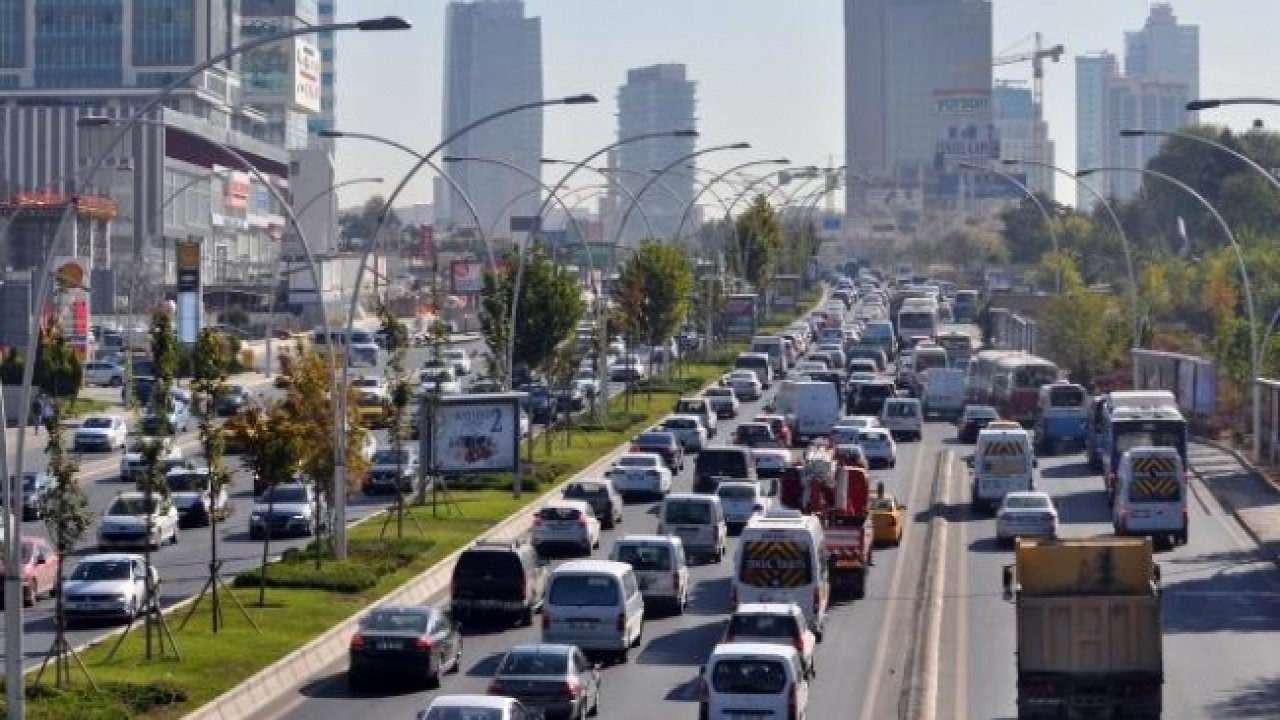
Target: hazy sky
x,y
768,71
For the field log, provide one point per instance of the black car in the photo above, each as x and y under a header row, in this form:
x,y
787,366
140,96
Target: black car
x,y
571,396
605,502
665,444
232,401
868,398
542,403
972,420
493,580
410,642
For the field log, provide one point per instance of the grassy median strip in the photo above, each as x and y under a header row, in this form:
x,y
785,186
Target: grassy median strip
x,y
293,616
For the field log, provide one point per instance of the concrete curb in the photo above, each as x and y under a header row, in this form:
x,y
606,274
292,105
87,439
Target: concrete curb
x,y
1263,544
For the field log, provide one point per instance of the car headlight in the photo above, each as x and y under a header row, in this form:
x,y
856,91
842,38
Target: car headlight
x,y
255,517
122,597
298,516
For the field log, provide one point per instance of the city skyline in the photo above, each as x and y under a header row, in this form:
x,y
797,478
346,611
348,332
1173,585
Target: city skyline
x,y
729,54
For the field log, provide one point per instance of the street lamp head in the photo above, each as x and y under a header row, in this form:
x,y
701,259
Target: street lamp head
x,y
453,159
390,22
331,133
1086,172
685,133
781,161
94,121
553,161
738,146
1195,105
1010,161
1132,133
580,99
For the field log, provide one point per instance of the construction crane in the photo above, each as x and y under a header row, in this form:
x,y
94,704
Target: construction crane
x,y
1036,58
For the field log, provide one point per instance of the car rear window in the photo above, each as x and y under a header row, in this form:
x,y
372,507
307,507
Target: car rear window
x,y
534,663
687,512
487,564
590,590
763,625
749,676
646,557
465,713
559,513
395,621
735,492
654,439
1066,396
727,463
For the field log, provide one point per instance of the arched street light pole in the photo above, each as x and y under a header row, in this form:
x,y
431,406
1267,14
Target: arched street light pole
x,y
728,216
610,181
1254,357
1124,238
566,194
1044,212
1209,104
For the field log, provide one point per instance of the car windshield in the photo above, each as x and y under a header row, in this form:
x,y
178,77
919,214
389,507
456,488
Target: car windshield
x,y
719,392
883,504
749,676
736,492
398,621
102,570
981,413
519,662
654,439
585,590
1026,502
1071,396
638,461
901,409
130,505
187,482
97,422
646,557
285,494
365,382
584,490
762,626
687,512
30,481
390,457
680,424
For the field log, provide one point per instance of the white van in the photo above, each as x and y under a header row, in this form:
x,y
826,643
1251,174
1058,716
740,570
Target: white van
x,y
660,565
759,363
698,520
754,680
903,417
596,605
775,348
1151,495
811,407
1003,461
780,558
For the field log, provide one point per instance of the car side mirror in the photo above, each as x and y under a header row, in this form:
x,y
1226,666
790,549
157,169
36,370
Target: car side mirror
x,y
1035,462
596,667
41,559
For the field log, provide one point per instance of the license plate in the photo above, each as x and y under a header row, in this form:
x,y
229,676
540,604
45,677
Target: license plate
x,y
847,564
387,645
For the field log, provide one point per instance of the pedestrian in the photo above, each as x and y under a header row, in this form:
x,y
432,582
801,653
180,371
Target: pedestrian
x,y
48,410
36,414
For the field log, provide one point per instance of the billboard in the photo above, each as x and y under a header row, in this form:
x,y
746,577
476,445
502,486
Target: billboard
x,y
740,316
467,276
72,276
427,244
473,433
966,128
786,291
236,196
306,76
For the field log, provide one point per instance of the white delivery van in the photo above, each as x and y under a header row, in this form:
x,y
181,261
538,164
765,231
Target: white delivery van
x,y
596,605
760,364
780,558
903,417
1003,462
773,346
1151,495
811,408
944,392
660,566
698,520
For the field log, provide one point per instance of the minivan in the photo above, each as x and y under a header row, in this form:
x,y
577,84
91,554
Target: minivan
x,y
497,579
660,565
722,461
596,605
1151,495
756,680
903,417
758,363
698,520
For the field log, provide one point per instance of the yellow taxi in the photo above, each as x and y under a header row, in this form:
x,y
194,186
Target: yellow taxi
x,y
887,516
373,409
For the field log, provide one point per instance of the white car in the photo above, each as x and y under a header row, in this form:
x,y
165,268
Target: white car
x,y
805,367
287,509
741,500
460,360
190,492
132,461
370,383
846,431
105,374
744,384
724,400
125,522
879,447
100,432
1026,514
586,382
442,380
110,585
688,430
640,474
566,522
369,447
781,623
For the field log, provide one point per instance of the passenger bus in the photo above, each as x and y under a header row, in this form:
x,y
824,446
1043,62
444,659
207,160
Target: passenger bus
x,y
978,375
1015,386
1139,418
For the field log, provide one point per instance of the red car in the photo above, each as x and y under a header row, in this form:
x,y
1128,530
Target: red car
x,y
39,570
781,429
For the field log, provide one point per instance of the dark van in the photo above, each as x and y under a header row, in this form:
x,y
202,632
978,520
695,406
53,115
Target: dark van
x,y
722,462
497,579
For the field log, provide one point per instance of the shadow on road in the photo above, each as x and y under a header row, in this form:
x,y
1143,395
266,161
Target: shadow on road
x,y
1078,469
486,666
710,597
1232,599
1257,699
989,545
684,646
1088,506
686,691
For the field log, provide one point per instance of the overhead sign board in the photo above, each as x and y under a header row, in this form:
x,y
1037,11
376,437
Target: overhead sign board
x,y
467,434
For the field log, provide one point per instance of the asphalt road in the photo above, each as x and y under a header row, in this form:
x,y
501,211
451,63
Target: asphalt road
x,y
661,679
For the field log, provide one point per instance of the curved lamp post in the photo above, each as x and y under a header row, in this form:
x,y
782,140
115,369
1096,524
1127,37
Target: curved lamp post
x,y
610,181
684,217
1254,357
1044,212
1115,219
1209,104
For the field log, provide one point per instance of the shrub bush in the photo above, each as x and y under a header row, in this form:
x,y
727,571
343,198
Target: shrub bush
x,y
368,561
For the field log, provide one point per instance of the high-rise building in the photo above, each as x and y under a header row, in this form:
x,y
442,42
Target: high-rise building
x,y
1024,135
658,98
1094,75
281,80
1135,102
325,120
917,88
492,61
1164,51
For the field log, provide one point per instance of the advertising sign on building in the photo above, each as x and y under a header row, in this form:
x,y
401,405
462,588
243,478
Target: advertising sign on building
x,y
740,316
72,276
427,244
786,291
306,76
468,277
236,196
187,256
471,433
966,128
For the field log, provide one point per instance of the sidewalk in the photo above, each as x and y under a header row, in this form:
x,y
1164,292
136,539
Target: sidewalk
x,y
1242,490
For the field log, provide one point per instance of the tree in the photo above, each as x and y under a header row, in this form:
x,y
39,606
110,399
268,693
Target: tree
x,y
757,243
397,336
653,291
551,304
1076,325
209,361
357,229
272,453
1025,233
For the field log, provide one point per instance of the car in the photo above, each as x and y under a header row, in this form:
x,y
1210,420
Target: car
x,y
108,585
723,400
688,429
665,444
373,409
626,372
179,421
843,434
497,580
458,707
604,500
460,360
387,466
100,432
557,679
403,641
104,374
566,522
39,566
587,383
661,568
774,623
370,383
134,520
973,419
700,407
888,516
485,386
755,434
781,430
231,401
35,486
543,404
1026,514
438,381
741,500
133,463
197,504
852,454
637,474
879,446
570,396
286,509
744,383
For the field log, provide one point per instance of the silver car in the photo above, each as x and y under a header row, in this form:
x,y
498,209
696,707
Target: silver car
x,y
558,679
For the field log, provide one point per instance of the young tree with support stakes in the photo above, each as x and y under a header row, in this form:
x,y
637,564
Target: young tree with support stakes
x,y
399,395
653,292
273,454
551,304
67,517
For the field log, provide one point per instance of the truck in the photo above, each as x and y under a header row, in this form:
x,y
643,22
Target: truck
x,y
811,408
839,495
1088,633
943,392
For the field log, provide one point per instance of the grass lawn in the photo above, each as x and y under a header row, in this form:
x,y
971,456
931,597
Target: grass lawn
x,y
86,406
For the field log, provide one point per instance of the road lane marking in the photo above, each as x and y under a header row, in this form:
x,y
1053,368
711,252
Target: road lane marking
x,y
895,592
